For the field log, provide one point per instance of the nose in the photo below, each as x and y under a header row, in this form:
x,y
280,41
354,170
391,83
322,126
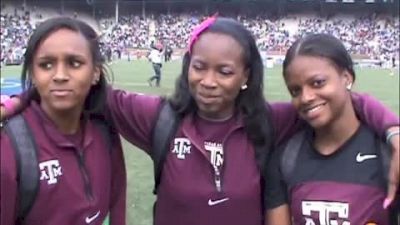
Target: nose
x,y
208,80
307,95
61,73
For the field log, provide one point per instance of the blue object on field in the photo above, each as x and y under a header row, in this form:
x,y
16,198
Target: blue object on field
x,y
10,86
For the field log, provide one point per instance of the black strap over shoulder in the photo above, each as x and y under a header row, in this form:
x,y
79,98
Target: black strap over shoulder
x,y
163,131
290,153
386,154
106,132
27,163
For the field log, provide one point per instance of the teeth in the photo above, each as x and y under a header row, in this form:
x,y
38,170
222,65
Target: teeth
x,y
313,109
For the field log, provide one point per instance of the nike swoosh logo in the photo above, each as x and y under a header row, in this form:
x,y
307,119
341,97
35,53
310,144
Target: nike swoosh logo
x,y
90,219
361,158
216,202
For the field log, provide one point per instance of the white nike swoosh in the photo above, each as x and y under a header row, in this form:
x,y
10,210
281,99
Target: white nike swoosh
x,y
216,202
362,158
90,219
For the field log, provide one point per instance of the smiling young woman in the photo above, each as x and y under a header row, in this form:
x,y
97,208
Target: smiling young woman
x,y
338,173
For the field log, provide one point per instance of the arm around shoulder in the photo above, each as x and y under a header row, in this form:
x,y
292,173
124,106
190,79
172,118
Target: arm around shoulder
x,y
374,113
133,115
285,121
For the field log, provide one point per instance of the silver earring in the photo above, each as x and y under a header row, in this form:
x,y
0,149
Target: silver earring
x,y
348,87
243,87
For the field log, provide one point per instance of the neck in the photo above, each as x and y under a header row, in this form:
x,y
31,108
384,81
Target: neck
x,y
216,117
68,122
330,138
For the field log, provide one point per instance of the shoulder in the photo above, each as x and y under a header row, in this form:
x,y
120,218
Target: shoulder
x,y
131,101
364,134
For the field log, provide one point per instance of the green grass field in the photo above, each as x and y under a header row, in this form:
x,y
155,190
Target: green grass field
x,y
132,76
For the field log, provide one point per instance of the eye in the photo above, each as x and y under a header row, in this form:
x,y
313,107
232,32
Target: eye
x,y
225,71
295,91
318,83
197,66
45,65
75,63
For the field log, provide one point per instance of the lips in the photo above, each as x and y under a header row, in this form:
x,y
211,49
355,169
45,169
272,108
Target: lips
x,y
312,112
60,92
206,99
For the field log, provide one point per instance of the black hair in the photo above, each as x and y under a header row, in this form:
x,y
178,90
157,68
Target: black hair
x,y
250,102
95,101
321,45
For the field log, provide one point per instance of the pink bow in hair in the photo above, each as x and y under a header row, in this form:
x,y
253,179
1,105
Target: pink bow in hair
x,y
200,29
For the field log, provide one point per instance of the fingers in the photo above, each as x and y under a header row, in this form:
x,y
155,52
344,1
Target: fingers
x,y
394,177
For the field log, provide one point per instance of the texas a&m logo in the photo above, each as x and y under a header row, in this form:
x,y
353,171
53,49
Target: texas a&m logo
x,y
217,153
324,211
181,147
50,170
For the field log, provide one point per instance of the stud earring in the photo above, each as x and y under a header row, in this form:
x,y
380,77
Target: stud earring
x,y
348,87
243,87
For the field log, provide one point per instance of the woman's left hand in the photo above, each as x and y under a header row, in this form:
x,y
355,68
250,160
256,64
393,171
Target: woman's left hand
x,y
394,174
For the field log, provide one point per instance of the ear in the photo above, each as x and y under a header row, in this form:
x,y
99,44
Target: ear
x,y
246,77
348,80
96,75
33,79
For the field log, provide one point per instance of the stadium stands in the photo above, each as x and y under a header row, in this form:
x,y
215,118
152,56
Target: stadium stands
x,y
370,36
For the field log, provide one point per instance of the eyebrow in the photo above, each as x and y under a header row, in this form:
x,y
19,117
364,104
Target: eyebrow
x,y
223,63
50,56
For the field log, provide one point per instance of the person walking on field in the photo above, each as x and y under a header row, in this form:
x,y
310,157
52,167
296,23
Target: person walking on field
x,y
155,58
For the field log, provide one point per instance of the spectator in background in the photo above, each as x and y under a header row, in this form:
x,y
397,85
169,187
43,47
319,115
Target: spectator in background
x,y
168,53
155,58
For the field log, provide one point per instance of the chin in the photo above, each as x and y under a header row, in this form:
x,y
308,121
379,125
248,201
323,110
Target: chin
x,y
67,107
208,110
318,124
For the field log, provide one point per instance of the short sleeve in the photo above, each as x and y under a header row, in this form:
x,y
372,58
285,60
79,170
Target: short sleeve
x,y
275,187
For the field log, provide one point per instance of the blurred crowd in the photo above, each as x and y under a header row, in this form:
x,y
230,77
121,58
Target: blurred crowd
x,y
15,29
376,37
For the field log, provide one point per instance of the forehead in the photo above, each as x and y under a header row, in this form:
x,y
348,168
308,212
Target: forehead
x,y
64,41
305,64
217,47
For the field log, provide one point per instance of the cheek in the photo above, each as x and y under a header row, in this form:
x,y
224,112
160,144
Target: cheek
x,y
296,103
85,84
193,80
232,88
40,79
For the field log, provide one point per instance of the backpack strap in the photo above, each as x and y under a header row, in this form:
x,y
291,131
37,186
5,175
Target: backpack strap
x,y
163,131
27,163
290,153
106,132
386,155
